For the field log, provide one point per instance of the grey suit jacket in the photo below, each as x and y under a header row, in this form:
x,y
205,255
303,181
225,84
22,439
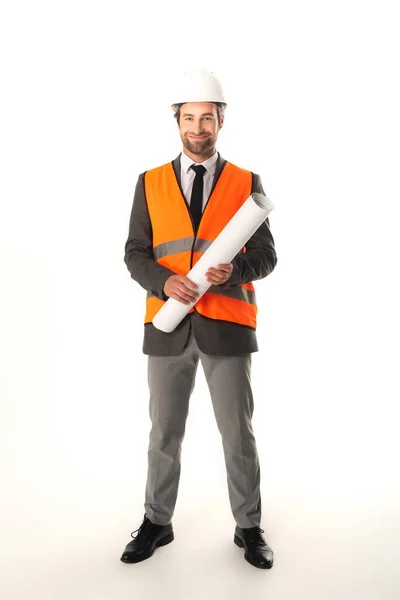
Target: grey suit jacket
x,y
213,337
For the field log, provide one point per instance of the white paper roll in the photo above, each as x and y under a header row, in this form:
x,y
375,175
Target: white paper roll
x,y
223,249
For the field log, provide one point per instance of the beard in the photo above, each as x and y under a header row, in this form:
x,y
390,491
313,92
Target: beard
x,y
197,147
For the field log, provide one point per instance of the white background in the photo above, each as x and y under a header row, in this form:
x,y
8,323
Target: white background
x,y
313,107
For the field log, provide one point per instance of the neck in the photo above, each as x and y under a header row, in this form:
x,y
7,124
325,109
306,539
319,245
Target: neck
x,y
199,158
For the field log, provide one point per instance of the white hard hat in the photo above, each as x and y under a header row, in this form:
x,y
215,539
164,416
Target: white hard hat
x,y
199,85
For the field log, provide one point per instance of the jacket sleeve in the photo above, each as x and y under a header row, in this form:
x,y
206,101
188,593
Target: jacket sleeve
x,y
139,257
260,258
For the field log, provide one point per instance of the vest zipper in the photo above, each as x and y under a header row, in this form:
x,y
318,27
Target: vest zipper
x,y
195,233
190,215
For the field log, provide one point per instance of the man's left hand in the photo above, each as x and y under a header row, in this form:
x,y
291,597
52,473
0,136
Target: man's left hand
x,y
219,275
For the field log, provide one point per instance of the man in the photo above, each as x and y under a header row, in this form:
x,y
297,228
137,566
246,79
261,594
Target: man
x,y
178,210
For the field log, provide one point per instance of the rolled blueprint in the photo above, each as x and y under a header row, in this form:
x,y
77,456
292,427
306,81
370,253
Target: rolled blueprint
x,y
224,248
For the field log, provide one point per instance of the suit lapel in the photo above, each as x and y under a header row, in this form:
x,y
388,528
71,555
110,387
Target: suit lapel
x,y
220,164
176,164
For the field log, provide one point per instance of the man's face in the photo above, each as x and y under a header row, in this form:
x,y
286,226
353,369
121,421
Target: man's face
x,y
199,127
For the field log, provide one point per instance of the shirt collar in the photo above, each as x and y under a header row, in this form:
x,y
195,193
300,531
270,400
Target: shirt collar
x,y
209,164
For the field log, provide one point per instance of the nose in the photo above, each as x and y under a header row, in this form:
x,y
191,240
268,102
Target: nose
x,y
197,127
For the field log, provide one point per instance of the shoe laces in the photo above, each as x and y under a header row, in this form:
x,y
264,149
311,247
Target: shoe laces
x,y
259,537
255,536
140,529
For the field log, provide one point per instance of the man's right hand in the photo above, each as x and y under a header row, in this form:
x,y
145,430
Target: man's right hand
x,y
181,288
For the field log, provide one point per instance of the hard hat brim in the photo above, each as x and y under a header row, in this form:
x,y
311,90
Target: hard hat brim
x,y
179,104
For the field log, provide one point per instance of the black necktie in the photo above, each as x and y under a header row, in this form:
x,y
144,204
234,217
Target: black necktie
x,y
196,200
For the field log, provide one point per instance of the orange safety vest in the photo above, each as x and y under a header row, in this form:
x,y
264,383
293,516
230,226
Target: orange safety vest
x,y
176,246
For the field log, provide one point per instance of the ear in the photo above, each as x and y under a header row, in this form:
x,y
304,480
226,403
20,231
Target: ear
x,y
222,121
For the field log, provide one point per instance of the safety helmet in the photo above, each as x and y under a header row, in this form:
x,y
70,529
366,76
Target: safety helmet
x,y
199,85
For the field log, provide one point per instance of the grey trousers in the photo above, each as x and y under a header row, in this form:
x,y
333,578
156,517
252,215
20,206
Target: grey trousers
x,y
171,382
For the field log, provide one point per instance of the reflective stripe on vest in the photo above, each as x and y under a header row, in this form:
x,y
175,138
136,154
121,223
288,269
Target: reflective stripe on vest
x,y
233,292
181,245
176,247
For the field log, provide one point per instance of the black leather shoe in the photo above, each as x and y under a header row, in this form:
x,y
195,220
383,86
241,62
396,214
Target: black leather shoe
x,y
256,550
149,537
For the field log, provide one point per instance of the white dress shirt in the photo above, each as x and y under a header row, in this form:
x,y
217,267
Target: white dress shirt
x,y
188,175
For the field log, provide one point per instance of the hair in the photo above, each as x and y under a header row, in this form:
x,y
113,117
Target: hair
x,y
220,110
